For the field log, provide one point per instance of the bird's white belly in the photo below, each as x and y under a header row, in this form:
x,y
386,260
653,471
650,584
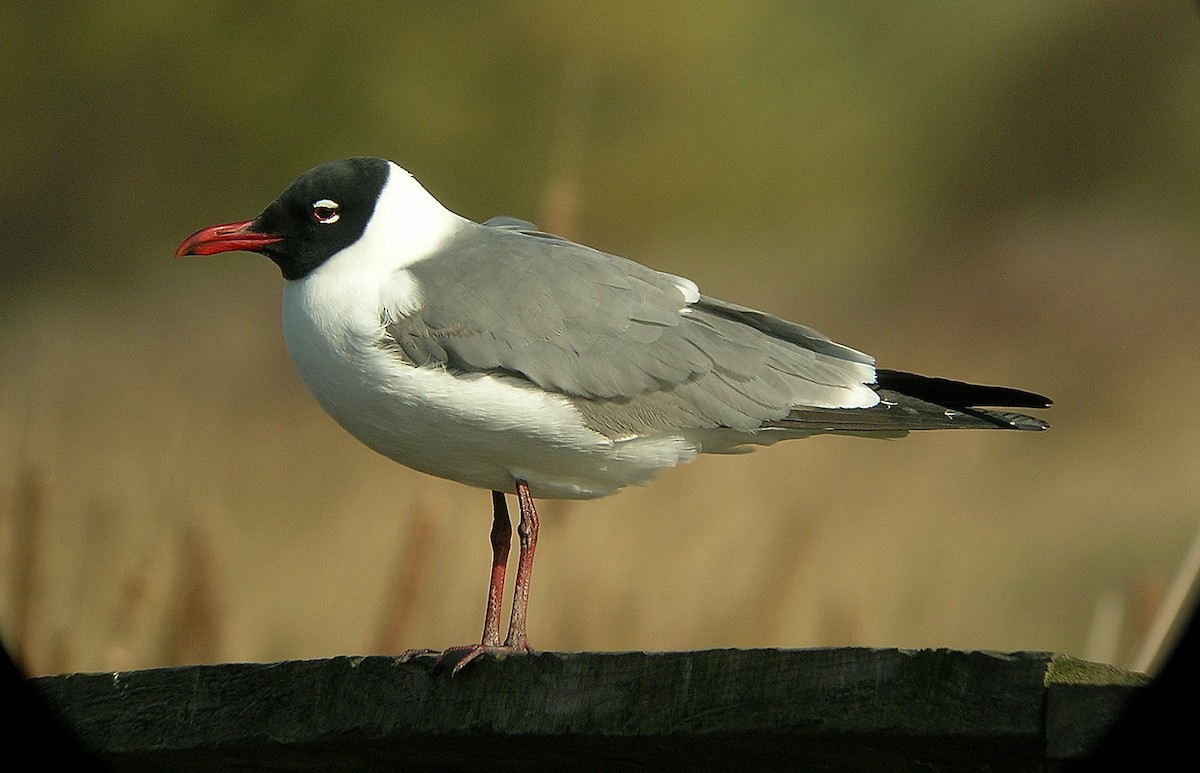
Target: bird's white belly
x,y
480,429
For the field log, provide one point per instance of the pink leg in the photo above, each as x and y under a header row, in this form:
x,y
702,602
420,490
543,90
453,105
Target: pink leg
x,y
501,539
517,640
527,529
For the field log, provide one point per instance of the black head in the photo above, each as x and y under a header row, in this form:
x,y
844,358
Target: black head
x,y
324,211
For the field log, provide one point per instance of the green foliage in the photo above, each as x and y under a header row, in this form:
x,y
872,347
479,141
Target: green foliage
x,y
848,131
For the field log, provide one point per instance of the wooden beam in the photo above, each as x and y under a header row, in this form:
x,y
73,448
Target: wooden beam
x,y
843,709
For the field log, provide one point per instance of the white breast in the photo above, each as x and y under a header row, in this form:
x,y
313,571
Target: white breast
x,y
478,429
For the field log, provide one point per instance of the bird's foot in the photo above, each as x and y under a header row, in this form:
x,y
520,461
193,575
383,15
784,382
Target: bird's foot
x,y
408,655
457,658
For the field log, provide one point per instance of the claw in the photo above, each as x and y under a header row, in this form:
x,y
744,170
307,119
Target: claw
x,y
517,642
457,658
408,655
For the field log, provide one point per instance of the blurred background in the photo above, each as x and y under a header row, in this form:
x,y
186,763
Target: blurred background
x,y
998,192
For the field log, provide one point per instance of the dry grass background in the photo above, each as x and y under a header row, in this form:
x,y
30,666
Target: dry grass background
x,y
170,494
175,496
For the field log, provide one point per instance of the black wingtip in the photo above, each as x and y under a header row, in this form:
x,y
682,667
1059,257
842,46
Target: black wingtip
x,y
960,394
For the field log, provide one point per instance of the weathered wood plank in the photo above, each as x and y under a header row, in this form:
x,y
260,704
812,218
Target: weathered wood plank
x,y
832,709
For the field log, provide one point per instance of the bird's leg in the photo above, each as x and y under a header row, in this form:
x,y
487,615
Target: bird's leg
x,y
457,657
527,530
501,539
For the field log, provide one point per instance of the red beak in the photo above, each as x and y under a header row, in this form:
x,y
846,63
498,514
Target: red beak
x,y
225,238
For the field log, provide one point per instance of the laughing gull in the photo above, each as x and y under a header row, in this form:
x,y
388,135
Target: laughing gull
x,y
514,360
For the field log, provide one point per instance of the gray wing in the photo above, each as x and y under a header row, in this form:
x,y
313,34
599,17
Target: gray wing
x,y
636,349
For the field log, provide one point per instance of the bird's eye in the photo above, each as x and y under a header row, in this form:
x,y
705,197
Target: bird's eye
x,y
325,211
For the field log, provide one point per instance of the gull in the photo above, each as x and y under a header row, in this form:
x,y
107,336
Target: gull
x,y
509,359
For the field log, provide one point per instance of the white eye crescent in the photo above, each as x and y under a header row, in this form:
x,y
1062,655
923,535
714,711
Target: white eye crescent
x,y
325,211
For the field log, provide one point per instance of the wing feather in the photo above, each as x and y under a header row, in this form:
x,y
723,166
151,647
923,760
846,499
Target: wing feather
x,y
596,327
638,351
